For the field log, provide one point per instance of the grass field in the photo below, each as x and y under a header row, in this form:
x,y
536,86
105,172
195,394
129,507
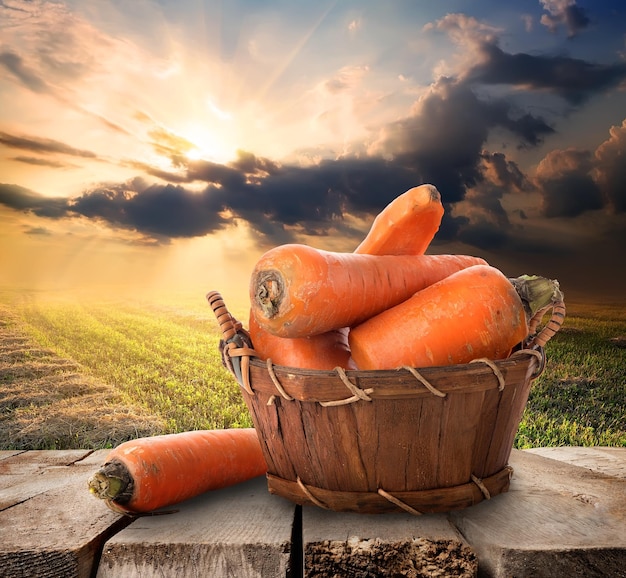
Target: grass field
x,y
85,373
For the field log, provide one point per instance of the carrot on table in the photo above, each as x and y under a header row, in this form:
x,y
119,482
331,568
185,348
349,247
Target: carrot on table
x,y
474,313
324,351
149,473
299,291
407,225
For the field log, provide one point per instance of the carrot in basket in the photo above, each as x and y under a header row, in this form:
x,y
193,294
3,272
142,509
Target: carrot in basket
x,y
474,313
324,351
407,225
299,291
149,473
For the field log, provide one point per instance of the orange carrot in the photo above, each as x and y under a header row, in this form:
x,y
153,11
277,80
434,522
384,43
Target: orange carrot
x,y
299,291
149,473
407,225
324,351
474,313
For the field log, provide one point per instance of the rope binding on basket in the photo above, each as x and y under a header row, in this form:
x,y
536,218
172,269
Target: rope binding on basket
x,y
358,393
417,375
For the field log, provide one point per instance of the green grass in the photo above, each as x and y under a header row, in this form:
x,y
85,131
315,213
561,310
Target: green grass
x,y
580,398
165,359
162,358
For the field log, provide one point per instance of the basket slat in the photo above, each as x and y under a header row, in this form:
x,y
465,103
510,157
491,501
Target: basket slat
x,y
485,433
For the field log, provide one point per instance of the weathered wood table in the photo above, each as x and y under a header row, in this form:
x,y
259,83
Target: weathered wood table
x,y
565,515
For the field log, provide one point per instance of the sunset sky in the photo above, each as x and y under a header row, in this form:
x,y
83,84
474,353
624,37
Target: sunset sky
x,y
167,144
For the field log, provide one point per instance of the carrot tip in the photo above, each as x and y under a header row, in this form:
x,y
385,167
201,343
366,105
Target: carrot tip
x,y
270,291
112,482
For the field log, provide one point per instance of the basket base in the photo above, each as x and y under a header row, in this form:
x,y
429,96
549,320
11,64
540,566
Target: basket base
x,y
417,502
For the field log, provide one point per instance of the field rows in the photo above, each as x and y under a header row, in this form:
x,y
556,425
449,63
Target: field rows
x,y
164,362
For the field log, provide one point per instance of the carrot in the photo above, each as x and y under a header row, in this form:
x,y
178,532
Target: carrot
x,y
407,225
324,351
474,313
149,473
299,291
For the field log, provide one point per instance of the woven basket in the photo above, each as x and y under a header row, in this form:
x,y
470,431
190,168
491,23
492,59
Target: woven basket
x,y
406,440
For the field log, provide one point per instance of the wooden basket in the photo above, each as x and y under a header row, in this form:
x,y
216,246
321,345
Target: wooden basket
x,y
407,440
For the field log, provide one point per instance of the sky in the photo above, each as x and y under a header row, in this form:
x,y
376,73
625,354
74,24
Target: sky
x,y
166,145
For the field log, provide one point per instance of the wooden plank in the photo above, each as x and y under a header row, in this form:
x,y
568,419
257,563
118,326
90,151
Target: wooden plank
x,y
556,520
54,526
33,461
241,531
27,474
344,544
4,454
605,460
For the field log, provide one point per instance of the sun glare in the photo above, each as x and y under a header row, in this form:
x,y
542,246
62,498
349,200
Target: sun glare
x,y
211,142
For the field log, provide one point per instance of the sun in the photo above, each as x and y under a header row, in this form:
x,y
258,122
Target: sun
x,y
213,136
208,144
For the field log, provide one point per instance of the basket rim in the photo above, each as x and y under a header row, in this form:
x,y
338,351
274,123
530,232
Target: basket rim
x,y
519,356
340,387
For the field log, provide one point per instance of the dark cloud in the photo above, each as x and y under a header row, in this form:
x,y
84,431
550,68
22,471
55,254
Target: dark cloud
x,y
610,168
503,172
564,13
251,164
573,79
23,199
15,65
575,181
43,146
485,222
37,161
159,210
483,235
565,181
38,231
313,200
442,141
216,173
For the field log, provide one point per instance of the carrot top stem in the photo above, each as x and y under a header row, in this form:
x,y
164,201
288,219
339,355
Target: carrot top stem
x,y
537,293
112,482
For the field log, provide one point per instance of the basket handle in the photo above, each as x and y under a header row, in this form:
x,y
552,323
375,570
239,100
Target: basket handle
x,y
235,345
550,329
